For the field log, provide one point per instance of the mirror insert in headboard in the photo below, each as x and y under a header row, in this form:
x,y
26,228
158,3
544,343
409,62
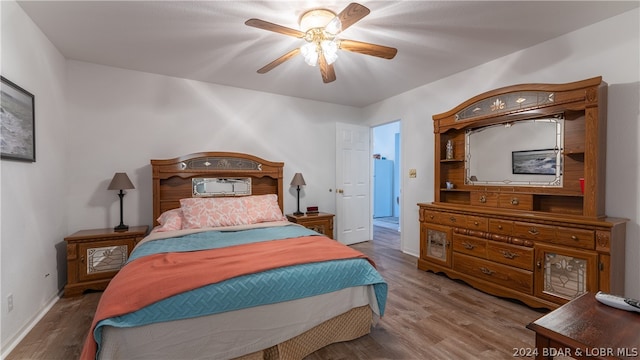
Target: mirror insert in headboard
x,y
208,187
521,153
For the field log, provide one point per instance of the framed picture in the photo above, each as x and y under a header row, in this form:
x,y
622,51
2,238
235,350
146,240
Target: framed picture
x,y
535,162
17,115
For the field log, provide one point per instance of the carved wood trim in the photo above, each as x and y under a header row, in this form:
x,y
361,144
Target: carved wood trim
x,y
495,237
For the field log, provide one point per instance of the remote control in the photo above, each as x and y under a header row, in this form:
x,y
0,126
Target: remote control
x,y
618,302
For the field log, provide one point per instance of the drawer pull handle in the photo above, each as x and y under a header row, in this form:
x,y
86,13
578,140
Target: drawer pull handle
x,y
82,258
468,246
573,237
500,227
431,217
539,264
476,223
515,201
508,254
483,199
533,231
486,271
452,219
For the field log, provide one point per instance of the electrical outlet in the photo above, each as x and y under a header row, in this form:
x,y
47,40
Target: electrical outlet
x,y
10,302
412,173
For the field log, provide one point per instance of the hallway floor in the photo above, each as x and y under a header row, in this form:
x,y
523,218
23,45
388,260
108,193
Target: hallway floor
x,y
390,222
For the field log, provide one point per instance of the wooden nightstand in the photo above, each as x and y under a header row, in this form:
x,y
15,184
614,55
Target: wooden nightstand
x,y
95,256
322,222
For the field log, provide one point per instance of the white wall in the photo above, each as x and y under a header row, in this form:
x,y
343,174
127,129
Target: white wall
x,y
120,119
33,221
609,48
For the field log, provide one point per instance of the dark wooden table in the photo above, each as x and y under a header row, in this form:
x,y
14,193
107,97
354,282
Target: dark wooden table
x,y
586,329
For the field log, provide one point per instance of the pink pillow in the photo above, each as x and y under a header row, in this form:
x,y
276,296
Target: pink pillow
x,y
212,212
170,220
263,208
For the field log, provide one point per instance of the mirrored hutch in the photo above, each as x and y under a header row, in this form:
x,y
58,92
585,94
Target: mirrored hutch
x,y
520,195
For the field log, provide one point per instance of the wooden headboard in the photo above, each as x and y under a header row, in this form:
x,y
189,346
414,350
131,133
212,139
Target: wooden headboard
x,y
172,178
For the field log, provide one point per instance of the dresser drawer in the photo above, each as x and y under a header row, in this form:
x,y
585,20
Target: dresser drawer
x,y
507,276
470,245
502,227
432,217
518,256
516,201
477,223
575,237
532,231
455,220
482,198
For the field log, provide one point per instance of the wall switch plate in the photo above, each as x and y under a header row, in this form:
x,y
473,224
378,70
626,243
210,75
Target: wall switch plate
x,y
10,302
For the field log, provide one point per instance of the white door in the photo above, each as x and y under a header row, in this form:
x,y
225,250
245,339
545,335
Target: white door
x,y
353,206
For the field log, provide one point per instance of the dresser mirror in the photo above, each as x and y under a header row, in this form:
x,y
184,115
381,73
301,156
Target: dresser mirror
x,y
520,153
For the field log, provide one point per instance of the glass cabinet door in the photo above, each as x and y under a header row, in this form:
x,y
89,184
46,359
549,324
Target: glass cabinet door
x,y
564,273
436,244
99,260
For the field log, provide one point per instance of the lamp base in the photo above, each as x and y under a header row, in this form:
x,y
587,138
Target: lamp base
x,y
121,227
298,213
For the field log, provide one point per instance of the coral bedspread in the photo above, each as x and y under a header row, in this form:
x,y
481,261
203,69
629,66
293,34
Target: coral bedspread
x,y
155,277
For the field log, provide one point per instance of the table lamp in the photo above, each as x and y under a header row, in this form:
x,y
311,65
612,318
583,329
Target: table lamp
x,y
298,181
121,182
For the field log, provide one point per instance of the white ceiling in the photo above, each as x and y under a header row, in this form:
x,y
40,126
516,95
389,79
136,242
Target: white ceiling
x,y
208,41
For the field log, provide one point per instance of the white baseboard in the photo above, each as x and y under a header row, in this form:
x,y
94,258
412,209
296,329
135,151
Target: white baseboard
x,y
15,340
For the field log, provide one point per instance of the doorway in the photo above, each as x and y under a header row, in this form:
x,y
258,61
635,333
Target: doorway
x,y
386,176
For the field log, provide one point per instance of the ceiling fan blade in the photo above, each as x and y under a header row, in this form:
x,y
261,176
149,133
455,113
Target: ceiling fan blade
x,y
368,49
352,14
326,70
265,25
279,61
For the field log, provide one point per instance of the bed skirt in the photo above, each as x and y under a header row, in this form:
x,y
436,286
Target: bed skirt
x,y
350,325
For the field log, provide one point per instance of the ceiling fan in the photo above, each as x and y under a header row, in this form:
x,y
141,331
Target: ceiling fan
x,y
319,28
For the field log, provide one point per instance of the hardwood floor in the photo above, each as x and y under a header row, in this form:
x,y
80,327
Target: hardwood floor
x,y
428,316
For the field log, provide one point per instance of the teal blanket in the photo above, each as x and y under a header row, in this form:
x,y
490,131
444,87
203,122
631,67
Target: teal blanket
x,y
268,287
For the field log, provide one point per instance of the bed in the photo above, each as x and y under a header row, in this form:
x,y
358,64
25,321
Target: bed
x,y
223,275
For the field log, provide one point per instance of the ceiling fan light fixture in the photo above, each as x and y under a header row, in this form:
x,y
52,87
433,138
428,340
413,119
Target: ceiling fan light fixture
x,y
317,18
320,28
309,53
330,51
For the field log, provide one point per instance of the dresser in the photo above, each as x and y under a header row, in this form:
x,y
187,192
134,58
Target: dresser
x,y
518,206
544,261
94,257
